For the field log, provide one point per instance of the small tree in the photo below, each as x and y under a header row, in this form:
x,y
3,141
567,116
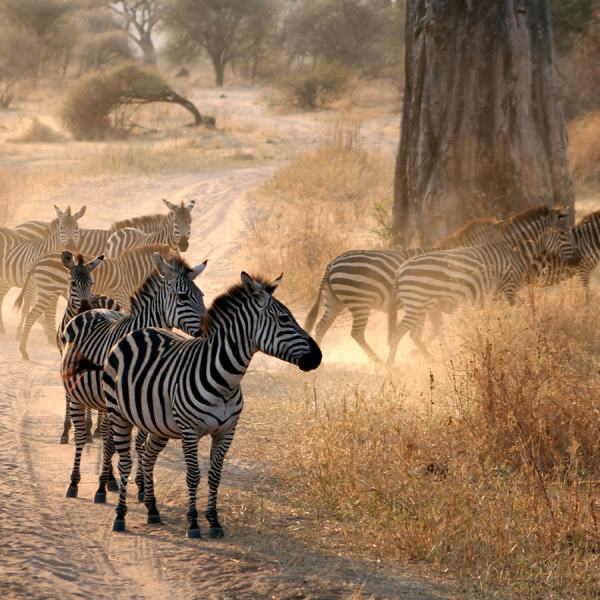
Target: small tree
x,y
225,29
97,107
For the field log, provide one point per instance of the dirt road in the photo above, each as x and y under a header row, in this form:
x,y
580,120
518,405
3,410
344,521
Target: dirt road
x,y
57,548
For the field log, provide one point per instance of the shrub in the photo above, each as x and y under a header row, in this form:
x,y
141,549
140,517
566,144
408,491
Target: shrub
x,y
313,85
38,132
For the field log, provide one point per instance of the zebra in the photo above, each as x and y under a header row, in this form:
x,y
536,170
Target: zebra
x,y
172,388
145,223
117,278
362,281
435,282
33,230
18,253
79,300
174,230
168,298
550,269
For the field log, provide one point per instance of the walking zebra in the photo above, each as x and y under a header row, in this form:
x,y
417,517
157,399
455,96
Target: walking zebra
x,y
550,269
79,300
168,298
174,230
117,278
362,281
18,253
436,282
175,388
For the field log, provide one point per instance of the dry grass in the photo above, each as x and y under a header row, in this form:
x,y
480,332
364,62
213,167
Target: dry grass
x,y
317,207
584,149
37,133
487,476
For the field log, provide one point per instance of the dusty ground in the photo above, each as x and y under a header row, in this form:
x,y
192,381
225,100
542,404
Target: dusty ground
x,y
52,547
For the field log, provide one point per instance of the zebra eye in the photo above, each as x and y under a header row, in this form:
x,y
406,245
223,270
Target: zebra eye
x,y
183,295
285,319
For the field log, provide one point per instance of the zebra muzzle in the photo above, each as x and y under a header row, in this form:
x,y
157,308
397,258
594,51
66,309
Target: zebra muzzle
x,y
183,244
312,359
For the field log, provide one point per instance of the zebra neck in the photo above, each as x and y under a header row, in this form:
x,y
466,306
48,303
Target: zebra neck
x,y
146,308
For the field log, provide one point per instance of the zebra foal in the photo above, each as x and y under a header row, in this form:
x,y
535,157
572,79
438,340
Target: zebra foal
x,y
436,282
168,298
363,280
175,388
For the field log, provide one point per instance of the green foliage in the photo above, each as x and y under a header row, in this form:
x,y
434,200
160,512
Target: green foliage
x,y
95,108
314,85
382,214
570,18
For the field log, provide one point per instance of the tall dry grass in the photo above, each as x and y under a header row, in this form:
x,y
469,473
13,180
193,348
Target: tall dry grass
x,y
317,207
488,476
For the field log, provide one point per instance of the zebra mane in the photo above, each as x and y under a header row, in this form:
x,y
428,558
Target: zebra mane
x,y
528,215
138,222
163,249
590,219
458,238
223,304
152,283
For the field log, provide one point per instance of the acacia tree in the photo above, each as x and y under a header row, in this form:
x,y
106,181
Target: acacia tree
x,y
225,29
482,129
141,16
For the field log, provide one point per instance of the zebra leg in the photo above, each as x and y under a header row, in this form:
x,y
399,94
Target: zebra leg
x,y
32,317
28,298
121,430
49,323
333,307
4,288
360,318
218,449
78,417
153,445
416,334
108,451
409,321
140,438
189,442
98,431
88,426
64,437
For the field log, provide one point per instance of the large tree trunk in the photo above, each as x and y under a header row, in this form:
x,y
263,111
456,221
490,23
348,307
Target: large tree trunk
x,y
482,129
219,67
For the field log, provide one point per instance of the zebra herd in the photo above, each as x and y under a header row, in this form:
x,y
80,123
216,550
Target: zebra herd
x,y
167,385
136,370
484,258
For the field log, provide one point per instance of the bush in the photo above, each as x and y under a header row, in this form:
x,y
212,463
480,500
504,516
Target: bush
x,y
38,132
96,108
315,85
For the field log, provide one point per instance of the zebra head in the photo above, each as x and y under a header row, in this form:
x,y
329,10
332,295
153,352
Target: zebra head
x,y
80,279
182,223
68,228
184,305
561,242
276,331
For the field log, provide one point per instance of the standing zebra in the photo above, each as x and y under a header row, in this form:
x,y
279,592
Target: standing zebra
x,y
362,281
117,278
168,298
550,269
79,300
18,253
436,282
175,388
174,230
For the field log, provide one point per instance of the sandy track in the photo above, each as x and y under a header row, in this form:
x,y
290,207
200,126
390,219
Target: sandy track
x,y
57,548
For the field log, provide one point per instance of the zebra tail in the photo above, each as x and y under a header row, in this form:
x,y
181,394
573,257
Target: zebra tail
x,y
311,317
19,301
76,368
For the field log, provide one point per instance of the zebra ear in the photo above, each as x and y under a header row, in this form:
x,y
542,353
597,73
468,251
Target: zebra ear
x,y
67,260
80,213
255,290
191,205
164,268
197,270
95,263
172,207
59,213
274,284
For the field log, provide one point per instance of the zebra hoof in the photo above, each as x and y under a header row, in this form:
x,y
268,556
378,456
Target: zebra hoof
x,y
100,498
140,496
153,519
118,525
71,492
24,355
112,485
89,439
216,532
64,439
194,534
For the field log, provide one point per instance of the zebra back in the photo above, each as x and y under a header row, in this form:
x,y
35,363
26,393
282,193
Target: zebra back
x,y
147,223
474,233
33,230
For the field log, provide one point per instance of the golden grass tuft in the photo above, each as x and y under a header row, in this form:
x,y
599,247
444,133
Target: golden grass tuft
x,y
317,207
37,133
584,149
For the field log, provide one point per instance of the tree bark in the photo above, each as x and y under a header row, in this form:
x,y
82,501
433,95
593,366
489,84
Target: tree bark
x,y
482,130
148,52
219,67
